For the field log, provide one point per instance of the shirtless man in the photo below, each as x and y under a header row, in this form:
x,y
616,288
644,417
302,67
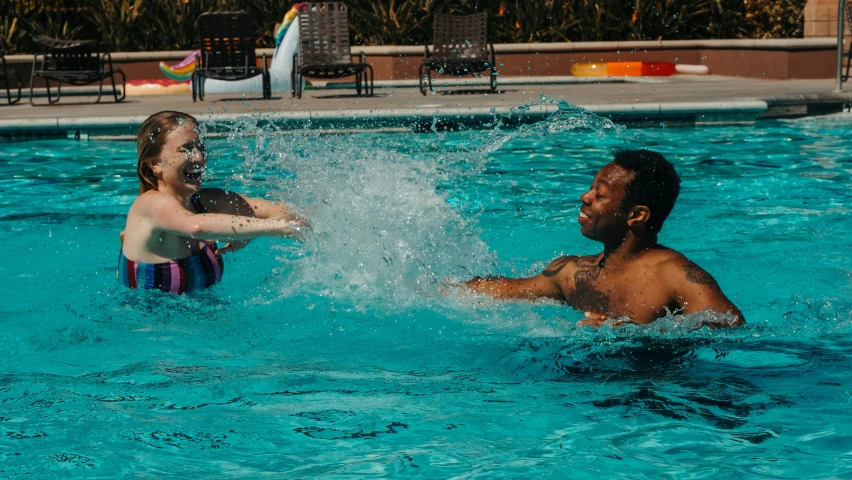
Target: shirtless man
x,y
634,278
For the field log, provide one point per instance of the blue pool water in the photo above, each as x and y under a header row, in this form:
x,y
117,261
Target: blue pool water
x,y
349,356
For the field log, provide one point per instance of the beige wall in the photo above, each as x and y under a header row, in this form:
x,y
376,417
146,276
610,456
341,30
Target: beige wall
x,y
821,19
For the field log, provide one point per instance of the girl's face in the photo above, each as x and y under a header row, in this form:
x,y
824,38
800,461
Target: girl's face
x,y
182,161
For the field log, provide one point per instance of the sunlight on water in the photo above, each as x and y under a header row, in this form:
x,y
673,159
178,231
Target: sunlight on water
x,y
354,354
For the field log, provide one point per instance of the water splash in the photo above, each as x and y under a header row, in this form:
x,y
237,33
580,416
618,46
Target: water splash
x,y
571,117
385,233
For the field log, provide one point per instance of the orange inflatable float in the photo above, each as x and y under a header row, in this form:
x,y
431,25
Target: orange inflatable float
x,y
624,69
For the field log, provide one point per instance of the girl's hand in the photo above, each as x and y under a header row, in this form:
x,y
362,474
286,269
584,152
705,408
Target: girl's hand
x,y
293,229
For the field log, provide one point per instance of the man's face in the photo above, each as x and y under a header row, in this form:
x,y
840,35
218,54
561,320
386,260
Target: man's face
x,y
603,215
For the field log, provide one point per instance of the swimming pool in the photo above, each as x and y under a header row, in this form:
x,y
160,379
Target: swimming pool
x,y
350,356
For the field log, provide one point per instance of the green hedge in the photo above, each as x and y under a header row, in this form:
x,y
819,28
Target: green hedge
x,y
150,25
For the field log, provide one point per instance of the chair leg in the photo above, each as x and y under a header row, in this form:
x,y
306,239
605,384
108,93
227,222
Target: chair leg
x,y
201,79
32,80
358,83
267,86
8,77
192,83
100,90
18,78
299,85
372,85
429,78
422,80
8,90
50,99
123,86
114,89
493,78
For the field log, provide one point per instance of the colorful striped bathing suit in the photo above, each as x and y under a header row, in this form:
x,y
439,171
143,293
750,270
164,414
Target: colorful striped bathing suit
x,y
200,271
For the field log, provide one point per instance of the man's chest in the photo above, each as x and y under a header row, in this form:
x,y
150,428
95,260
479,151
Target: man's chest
x,y
638,293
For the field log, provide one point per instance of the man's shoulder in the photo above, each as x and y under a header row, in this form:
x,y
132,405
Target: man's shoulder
x,y
557,267
675,266
568,264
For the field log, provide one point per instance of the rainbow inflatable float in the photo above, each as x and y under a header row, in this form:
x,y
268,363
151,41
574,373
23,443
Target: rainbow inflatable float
x,y
182,71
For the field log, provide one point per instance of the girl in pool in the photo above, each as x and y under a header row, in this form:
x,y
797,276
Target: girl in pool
x,y
167,241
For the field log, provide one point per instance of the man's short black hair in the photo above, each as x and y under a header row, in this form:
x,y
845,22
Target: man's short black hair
x,y
655,183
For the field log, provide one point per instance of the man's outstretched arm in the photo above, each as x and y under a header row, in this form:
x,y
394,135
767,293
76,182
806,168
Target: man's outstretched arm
x,y
543,285
695,290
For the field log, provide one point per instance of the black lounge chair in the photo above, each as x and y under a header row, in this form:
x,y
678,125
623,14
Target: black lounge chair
x,y
75,62
227,52
5,76
324,48
460,47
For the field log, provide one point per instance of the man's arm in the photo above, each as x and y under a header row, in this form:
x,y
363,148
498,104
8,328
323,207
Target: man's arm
x,y
695,290
543,285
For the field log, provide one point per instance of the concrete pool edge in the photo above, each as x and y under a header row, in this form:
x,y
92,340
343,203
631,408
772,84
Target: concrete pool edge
x,y
681,113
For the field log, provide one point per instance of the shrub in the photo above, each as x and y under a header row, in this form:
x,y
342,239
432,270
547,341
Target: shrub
x,y
170,24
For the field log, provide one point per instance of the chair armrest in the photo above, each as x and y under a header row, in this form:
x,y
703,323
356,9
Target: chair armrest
x,y
426,47
265,66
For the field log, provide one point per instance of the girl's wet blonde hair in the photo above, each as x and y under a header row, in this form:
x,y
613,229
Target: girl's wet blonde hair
x,y
150,140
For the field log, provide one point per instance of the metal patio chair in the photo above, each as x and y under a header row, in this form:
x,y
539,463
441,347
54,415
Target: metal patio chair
x,y
75,62
459,47
324,48
227,52
5,77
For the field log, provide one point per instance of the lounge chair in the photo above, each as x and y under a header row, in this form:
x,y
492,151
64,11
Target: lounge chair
x,y
324,48
227,52
460,47
75,62
5,76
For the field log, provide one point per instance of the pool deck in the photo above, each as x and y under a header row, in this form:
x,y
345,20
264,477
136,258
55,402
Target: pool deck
x,y
677,100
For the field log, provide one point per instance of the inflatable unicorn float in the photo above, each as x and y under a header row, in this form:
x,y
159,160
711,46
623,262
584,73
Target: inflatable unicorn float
x,y
179,74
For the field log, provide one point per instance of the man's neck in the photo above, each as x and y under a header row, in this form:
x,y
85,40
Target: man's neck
x,y
630,248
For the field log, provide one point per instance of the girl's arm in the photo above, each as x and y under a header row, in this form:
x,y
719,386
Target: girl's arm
x,y
169,215
223,201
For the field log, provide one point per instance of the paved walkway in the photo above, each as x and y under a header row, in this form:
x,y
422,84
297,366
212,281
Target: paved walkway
x,y
679,95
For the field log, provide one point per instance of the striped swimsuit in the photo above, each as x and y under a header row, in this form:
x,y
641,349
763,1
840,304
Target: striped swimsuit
x,y
200,271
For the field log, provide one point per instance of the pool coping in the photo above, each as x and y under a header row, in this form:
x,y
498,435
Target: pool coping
x,y
383,117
